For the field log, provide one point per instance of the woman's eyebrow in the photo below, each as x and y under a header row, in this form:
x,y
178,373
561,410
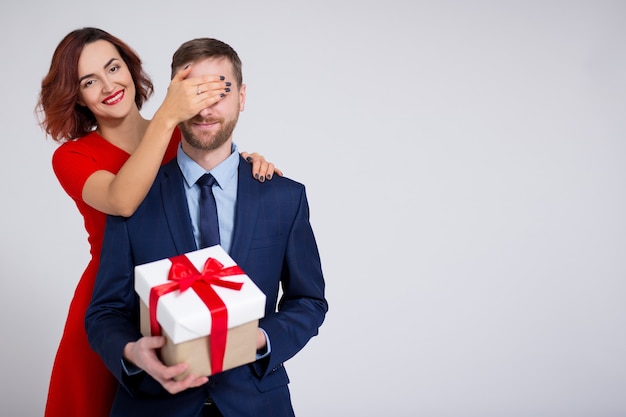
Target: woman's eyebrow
x,y
105,65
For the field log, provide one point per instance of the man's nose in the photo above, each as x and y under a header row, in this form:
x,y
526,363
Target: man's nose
x,y
206,112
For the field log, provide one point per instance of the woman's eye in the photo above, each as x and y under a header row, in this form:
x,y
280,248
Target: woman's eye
x,y
88,84
114,68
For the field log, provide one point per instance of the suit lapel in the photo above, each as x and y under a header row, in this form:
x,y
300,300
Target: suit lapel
x,y
245,213
175,207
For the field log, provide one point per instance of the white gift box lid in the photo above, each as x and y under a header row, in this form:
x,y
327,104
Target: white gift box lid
x,y
184,316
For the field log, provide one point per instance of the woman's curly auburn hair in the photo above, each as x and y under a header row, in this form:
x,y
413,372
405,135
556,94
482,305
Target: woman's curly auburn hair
x,y
60,115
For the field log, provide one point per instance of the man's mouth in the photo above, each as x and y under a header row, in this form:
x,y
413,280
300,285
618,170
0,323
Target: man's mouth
x,y
206,123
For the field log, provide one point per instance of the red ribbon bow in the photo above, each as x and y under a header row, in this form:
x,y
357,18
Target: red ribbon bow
x,y
184,275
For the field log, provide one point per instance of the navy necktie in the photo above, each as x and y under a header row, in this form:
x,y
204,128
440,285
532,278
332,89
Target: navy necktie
x,y
209,226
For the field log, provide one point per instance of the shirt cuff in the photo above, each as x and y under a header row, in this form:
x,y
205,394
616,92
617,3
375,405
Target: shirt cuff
x,y
263,353
129,368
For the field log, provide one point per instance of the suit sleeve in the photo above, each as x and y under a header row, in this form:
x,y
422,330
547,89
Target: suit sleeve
x,y
111,319
303,306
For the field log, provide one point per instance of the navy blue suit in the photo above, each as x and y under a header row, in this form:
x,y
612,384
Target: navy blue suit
x,y
272,242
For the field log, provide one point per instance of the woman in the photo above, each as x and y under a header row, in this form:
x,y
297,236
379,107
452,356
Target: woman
x,y
90,101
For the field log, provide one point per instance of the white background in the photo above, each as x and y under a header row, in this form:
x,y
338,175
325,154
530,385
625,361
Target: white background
x,y
464,162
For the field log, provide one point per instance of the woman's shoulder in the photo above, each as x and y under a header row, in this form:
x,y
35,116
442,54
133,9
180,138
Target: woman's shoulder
x,y
89,147
74,161
91,143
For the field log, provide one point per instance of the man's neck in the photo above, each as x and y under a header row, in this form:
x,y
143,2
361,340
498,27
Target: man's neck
x,y
208,159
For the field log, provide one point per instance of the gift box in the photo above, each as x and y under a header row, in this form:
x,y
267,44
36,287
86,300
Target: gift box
x,y
207,308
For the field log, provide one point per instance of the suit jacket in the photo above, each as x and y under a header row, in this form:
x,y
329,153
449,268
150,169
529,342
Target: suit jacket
x,y
272,242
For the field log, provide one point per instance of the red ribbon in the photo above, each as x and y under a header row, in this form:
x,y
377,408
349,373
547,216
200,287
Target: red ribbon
x,y
184,275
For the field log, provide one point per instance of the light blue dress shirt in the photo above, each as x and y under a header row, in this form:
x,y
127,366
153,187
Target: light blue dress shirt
x,y
225,193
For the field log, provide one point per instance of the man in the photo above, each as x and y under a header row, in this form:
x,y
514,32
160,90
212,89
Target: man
x,y
264,227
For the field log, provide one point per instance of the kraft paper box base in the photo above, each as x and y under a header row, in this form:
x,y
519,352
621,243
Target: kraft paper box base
x,y
240,347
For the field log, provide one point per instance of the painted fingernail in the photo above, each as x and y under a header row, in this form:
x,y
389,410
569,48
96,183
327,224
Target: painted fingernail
x,y
222,77
249,159
269,177
228,84
227,89
222,95
256,176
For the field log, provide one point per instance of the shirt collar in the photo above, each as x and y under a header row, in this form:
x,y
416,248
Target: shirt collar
x,y
224,173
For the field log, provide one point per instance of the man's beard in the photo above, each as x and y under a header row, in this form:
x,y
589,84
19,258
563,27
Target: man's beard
x,y
203,141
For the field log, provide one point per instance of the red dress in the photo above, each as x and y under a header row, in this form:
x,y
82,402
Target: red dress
x,y
80,384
